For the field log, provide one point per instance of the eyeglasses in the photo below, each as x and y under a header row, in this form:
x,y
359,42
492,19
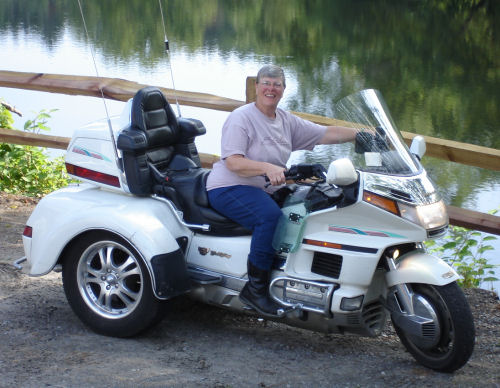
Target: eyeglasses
x,y
269,84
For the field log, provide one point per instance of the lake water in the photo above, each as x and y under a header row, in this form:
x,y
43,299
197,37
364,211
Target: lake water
x,y
437,67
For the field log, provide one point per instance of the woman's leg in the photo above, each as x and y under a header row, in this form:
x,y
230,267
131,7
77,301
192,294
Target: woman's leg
x,y
254,209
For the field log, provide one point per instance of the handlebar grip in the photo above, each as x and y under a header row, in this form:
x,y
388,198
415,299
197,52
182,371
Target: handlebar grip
x,y
303,171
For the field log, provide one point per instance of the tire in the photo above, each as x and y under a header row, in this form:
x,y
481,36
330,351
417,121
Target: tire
x,y
108,286
456,324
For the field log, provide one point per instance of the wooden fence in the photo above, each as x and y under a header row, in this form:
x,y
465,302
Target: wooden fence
x,y
122,90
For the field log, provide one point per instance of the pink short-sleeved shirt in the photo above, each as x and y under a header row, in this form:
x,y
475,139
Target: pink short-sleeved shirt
x,y
249,132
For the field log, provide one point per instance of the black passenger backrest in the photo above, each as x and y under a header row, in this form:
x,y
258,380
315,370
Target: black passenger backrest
x,y
153,116
150,139
156,138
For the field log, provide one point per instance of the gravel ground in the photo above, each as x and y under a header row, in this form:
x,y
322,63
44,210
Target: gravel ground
x,y
42,343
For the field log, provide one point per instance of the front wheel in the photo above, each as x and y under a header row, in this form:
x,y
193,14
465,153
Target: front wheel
x,y
108,286
450,312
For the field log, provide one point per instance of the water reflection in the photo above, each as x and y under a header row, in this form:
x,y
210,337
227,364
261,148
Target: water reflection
x,y
435,64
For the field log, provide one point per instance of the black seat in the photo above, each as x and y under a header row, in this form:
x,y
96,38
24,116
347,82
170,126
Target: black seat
x,y
160,157
187,189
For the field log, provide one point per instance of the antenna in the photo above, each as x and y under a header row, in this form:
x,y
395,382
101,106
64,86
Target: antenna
x,y
110,127
167,50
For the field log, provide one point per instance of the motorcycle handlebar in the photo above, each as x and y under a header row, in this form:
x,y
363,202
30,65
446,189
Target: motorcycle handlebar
x,y
302,171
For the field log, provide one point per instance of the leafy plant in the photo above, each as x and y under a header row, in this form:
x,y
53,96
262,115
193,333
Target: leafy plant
x,y
39,122
463,249
29,170
6,119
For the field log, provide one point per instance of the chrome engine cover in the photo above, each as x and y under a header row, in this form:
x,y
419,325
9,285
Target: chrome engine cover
x,y
308,295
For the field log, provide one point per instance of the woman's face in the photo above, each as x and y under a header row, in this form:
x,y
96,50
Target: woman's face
x,y
269,91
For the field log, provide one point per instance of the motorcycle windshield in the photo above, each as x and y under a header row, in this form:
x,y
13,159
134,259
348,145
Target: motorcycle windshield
x,y
379,147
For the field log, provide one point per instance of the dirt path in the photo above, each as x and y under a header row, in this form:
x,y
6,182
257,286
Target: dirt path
x,y
42,343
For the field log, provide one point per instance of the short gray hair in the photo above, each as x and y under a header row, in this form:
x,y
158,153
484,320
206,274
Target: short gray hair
x,y
271,71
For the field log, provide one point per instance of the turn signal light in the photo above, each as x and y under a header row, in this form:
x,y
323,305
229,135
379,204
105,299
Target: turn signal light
x,y
382,202
322,243
92,175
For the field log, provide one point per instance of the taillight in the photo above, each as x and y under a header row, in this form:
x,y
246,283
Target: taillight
x,y
28,231
92,175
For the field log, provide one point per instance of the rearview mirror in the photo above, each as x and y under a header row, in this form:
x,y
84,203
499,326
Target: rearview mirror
x,y
418,147
341,172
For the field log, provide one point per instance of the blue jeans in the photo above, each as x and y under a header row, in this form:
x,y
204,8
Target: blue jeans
x,y
254,209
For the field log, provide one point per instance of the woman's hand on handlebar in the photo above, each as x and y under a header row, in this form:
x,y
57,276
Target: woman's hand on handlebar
x,y
297,172
304,171
275,174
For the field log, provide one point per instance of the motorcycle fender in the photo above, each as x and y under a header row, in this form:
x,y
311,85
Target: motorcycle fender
x,y
60,217
419,267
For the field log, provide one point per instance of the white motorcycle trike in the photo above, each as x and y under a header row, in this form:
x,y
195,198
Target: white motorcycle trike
x,y
349,253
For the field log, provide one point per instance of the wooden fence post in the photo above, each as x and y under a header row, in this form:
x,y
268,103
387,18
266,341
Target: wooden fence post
x,y
250,89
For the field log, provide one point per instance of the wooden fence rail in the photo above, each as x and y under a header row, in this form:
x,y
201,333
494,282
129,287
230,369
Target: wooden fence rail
x,y
112,88
460,217
122,90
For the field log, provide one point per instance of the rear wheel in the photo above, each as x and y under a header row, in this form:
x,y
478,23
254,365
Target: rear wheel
x,y
448,308
108,286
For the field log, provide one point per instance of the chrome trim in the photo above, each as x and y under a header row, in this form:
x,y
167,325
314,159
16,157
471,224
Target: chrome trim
x,y
179,215
322,305
17,263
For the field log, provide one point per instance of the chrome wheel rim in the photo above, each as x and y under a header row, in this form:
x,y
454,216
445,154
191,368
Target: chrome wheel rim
x,y
110,279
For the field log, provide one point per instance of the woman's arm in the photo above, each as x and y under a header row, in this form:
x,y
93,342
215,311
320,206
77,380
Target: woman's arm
x,y
337,135
247,168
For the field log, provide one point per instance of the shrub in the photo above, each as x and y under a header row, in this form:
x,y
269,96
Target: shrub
x,y
463,249
29,170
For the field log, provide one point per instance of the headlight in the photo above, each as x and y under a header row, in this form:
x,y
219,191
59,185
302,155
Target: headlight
x,y
431,216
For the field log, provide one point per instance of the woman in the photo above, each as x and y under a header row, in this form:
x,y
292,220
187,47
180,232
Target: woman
x,y
257,140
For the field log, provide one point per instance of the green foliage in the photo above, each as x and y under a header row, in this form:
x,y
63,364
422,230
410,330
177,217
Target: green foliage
x,y
6,119
39,122
463,249
27,169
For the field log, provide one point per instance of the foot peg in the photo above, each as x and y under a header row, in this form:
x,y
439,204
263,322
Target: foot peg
x,y
285,310
281,312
